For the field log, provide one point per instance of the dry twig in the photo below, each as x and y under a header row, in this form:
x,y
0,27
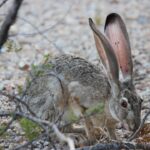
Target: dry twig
x,y
9,20
116,146
3,2
62,137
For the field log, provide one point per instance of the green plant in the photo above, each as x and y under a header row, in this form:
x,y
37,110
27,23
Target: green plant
x,y
46,58
12,46
37,71
20,89
31,129
99,108
71,116
1,148
2,129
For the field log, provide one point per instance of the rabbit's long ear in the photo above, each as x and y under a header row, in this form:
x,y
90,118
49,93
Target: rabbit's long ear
x,y
106,52
116,32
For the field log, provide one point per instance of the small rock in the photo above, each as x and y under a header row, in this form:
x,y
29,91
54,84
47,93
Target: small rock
x,y
18,138
46,148
6,145
46,143
11,146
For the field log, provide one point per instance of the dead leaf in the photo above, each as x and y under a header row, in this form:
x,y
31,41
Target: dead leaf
x,y
144,135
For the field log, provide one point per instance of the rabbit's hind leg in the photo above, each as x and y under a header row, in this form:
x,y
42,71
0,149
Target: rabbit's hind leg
x,y
45,98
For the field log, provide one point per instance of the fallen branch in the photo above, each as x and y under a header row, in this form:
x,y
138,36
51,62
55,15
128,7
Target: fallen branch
x,y
43,124
116,146
62,137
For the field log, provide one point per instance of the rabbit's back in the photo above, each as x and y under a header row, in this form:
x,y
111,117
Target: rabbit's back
x,y
73,68
54,83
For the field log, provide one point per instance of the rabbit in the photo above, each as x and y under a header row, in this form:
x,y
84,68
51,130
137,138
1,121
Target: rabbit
x,y
69,87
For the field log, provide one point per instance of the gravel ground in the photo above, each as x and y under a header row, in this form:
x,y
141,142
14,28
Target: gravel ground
x,y
53,27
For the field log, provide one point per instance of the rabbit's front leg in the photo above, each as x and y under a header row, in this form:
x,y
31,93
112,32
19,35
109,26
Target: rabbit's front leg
x,y
90,131
79,111
111,125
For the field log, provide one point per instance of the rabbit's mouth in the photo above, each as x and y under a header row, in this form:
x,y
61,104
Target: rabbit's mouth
x,y
126,126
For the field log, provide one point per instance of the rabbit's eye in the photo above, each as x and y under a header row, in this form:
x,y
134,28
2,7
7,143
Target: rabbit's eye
x,y
124,104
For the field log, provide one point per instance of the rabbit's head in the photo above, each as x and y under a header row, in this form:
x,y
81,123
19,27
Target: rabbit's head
x,y
115,53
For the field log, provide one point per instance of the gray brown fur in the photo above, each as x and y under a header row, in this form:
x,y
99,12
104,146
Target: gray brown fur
x,y
71,75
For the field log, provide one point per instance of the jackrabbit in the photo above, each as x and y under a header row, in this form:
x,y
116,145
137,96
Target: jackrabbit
x,y
70,87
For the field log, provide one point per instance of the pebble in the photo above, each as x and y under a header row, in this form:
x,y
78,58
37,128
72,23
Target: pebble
x,y
46,143
18,138
11,146
46,148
